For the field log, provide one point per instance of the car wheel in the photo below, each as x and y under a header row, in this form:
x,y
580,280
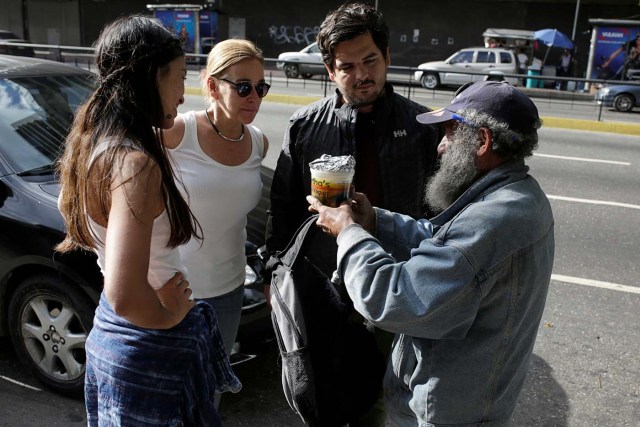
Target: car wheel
x,y
49,321
291,71
623,102
430,80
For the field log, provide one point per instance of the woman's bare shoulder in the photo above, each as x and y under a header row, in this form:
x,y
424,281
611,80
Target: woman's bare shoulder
x,y
140,177
173,136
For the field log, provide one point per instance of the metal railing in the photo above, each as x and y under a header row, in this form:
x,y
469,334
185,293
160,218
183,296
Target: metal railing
x,y
582,89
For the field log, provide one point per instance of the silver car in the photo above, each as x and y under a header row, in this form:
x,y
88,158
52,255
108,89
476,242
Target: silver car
x,y
305,63
493,63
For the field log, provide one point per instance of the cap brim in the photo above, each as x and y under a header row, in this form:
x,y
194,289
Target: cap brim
x,y
437,116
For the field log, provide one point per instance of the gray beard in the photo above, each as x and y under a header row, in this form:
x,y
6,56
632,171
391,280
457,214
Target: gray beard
x,y
457,172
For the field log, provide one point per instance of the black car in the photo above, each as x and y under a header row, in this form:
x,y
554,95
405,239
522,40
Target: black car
x,y
10,44
47,299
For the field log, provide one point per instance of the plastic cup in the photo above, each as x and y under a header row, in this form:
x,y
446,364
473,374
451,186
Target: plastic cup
x,y
331,188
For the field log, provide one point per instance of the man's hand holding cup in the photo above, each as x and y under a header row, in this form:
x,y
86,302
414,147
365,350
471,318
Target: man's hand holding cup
x,y
356,210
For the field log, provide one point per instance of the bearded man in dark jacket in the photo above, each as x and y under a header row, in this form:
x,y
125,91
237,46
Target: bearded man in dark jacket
x,y
365,118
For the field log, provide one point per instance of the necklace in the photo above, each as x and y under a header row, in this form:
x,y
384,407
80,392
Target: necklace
x,y
226,138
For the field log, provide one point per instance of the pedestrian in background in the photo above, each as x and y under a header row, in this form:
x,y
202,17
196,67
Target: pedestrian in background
x,y
523,62
217,155
154,357
465,291
563,69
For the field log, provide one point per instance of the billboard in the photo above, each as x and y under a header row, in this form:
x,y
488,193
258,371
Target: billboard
x,y
615,50
196,26
183,23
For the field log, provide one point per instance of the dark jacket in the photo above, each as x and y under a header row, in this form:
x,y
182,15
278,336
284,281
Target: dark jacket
x,y
407,155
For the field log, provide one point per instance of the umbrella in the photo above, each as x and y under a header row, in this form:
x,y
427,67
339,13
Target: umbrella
x,y
552,37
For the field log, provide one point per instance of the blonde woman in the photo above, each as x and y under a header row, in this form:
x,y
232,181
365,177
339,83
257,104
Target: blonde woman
x,y
217,156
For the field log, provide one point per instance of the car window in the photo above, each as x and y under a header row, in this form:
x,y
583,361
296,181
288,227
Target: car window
x,y
486,57
36,115
505,58
462,57
313,49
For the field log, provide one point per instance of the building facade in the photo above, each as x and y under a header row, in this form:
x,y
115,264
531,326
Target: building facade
x,y
420,30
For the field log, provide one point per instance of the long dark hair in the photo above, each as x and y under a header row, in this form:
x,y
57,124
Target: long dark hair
x,y
126,106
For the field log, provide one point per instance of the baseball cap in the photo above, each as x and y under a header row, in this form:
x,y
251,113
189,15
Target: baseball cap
x,y
499,100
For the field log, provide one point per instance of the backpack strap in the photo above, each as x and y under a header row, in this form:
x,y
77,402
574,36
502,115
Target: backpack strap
x,y
298,244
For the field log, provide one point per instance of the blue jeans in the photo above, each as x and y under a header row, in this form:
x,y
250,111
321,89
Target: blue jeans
x,y
228,308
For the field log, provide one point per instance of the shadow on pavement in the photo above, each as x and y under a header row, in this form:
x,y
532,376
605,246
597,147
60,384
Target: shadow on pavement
x,y
542,401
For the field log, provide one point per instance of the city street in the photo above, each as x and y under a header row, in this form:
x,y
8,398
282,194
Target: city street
x,y
585,368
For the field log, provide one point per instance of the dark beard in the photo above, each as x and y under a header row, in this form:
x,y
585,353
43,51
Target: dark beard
x,y
358,102
457,172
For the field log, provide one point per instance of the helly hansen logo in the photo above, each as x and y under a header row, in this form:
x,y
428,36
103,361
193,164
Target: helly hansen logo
x,y
399,133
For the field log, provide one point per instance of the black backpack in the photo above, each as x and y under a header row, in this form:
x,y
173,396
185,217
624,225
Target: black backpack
x,y
332,369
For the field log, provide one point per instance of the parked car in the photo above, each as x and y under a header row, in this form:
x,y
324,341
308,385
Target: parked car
x,y
306,63
11,44
621,97
48,299
493,63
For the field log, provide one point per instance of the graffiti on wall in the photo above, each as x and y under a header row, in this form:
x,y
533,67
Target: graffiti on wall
x,y
293,34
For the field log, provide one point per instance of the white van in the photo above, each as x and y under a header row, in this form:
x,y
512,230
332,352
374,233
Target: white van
x,y
488,63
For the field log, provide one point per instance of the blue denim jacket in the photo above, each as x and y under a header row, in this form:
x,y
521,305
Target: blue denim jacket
x,y
464,294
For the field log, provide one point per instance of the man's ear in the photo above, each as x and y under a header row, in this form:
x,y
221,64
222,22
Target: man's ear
x,y
486,157
486,141
332,75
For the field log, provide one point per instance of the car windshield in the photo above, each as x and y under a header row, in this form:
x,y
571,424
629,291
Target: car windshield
x,y
37,112
313,48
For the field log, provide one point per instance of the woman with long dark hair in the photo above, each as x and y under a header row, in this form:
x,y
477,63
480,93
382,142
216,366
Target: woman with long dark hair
x,y
154,357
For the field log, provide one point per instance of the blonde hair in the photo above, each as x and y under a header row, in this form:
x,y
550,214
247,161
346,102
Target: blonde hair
x,y
224,55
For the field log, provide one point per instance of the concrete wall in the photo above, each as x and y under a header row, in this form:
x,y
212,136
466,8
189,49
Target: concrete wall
x,y
11,16
54,22
420,30
96,13
426,31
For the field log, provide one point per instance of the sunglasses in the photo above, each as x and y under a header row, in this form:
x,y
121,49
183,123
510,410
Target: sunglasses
x,y
244,88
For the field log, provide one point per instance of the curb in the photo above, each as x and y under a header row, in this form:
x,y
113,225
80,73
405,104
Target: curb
x,y
591,125
552,122
291,99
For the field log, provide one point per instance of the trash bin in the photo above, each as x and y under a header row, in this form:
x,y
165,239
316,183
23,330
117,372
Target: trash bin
x,y
534,83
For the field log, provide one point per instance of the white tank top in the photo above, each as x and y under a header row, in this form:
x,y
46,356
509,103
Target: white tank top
x,y
220,197
164,262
